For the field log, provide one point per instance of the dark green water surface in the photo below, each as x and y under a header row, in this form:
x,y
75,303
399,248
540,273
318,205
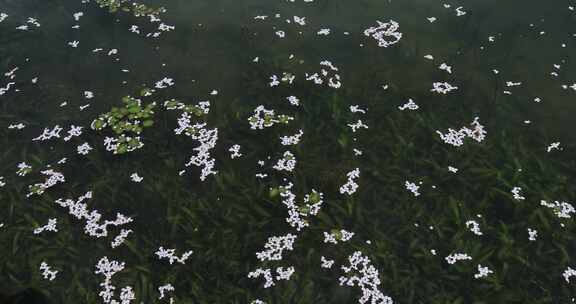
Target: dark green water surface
x,y
513,63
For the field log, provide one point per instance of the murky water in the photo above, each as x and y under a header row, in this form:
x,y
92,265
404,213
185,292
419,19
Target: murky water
x,y
281,151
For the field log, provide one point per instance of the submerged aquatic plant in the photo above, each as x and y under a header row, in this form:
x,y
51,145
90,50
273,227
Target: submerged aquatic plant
x,y
329,208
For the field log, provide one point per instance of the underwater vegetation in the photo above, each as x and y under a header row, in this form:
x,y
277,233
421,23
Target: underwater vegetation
x,y
287,151
28,296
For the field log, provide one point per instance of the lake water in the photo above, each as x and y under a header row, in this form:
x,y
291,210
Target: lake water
x,y
287,151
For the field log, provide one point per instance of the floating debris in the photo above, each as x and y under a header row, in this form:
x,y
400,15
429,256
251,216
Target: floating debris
x,y
386,33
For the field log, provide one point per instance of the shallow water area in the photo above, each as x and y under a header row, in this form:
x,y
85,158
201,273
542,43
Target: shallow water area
x,y
287,151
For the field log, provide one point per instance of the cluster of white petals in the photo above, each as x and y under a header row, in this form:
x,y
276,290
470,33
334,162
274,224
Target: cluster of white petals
x,y
453,258
351,186
359,124
561,209
474,227
293,139
568,273
47,273
410,105
207,139
286,163
386,33
73,132
294,212
23,169
164,288
51,226
49,134
336,236
275,246
553,146
170,255
443,87
108,268
482,272
330,76
53,178
532,234
326,263
363,274
456,138
412,187
235,149
164,83
516,193
283,274
84,148
120,238
93,226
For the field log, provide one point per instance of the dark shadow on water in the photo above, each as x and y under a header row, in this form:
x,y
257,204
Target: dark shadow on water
x,y
26,296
